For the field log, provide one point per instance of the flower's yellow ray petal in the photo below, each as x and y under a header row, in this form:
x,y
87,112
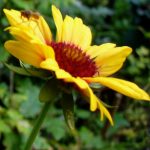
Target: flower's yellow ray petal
x,y
13,16
95,50
83,86
86,37
67,29
58,22
49,64
94,101
86,91
76,33
24,52
103,111
106,70
111,60
45,30
31,53
38,26
61,74
71,30
24,34
81,34
124,87
46,51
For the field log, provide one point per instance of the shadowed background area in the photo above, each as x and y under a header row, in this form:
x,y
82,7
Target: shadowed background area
x,y
116,21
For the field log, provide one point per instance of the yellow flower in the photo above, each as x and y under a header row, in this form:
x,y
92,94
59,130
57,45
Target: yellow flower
x,y
71,56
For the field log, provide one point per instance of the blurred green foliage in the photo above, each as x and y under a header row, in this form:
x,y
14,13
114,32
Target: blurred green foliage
x,y
122,22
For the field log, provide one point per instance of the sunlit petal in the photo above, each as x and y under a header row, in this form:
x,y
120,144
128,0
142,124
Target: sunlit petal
x,y
96,50
49,64
67,29
24,52
24,34
124,87
13,16
86,91
32,53
111,60
58,22
82,40
45,30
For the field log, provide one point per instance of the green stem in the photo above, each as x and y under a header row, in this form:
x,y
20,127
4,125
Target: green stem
x,y
37,126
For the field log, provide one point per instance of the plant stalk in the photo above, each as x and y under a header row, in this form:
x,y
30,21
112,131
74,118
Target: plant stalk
x,y
37,126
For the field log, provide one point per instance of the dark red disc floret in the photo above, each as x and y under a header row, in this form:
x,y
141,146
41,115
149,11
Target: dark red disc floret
x,y
73,60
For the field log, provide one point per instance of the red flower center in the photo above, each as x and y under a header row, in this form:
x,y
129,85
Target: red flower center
x,y
73,60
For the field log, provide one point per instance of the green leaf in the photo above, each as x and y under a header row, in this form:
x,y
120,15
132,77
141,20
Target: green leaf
x,y
27,71
68,110
55,127
31,107
23,126
95,86
50,91
4,55
16,69
41,143
4,128
75,94
12,141
3,89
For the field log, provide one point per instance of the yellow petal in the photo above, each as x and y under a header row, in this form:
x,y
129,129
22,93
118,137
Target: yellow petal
x,y
49,64
24,52
111,60
87,92
71,30
86,37
45,50
94,101
31,53
24,34
62,74
13,16
81,34
37,27
84,88
67,29
95,50
124,87
45,30
103,111
58,22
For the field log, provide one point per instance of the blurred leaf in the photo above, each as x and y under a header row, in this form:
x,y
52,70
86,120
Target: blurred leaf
x,y
89,140
23,126
4,128
14,115
27,71
11,141
68,110
50,91
24,4
41,143
56,127
31,107
3,90
75,94
3,54
83,114
120,122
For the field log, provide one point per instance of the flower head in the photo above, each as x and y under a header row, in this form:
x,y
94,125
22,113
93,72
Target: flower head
x,y
71,56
